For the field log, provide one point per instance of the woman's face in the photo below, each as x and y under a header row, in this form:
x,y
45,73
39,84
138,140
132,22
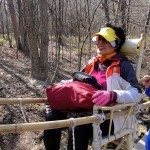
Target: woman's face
x,y
103,47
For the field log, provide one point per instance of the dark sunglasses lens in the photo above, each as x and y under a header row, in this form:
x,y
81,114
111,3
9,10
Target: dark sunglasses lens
x,y
98,38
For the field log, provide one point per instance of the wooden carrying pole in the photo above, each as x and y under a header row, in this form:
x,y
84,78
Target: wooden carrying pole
x,y
41,100
22,100
23,127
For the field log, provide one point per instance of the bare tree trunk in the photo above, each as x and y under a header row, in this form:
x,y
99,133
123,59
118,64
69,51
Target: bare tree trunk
x,y
123,14
146,25
14,23
116,10
70,34
106,10
2,21
89,21
39,55
22,27
44,39
88,31
7,26
35,65
128,17
78,31
147,21
59,27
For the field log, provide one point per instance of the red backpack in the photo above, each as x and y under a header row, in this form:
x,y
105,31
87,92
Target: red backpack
x,y
71,96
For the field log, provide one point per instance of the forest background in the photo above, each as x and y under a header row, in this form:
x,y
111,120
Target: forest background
x,y
45,41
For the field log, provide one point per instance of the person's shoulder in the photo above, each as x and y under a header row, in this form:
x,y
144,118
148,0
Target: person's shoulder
x,y
126,67
125,62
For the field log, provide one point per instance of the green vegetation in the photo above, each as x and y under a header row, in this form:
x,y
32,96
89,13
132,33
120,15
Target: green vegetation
x,y
2,41
13,42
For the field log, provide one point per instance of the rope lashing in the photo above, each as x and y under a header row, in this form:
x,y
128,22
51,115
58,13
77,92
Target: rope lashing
x,y
25,119
101,116
138,107
73,124
21,108
97,133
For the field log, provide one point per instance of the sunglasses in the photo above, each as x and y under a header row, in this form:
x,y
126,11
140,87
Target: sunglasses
x,y
99,38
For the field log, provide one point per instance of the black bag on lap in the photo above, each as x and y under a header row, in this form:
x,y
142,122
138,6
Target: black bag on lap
x,y
86,78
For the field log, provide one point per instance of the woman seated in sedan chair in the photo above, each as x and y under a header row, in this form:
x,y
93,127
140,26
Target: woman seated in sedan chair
x,y
119,85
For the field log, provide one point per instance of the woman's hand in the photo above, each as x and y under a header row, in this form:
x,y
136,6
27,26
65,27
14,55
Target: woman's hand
x,y
146,81
102,98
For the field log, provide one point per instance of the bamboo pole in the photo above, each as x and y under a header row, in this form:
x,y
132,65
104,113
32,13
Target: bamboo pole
x,y
43,100
23,127
145,105
117,135
22,100
15,128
